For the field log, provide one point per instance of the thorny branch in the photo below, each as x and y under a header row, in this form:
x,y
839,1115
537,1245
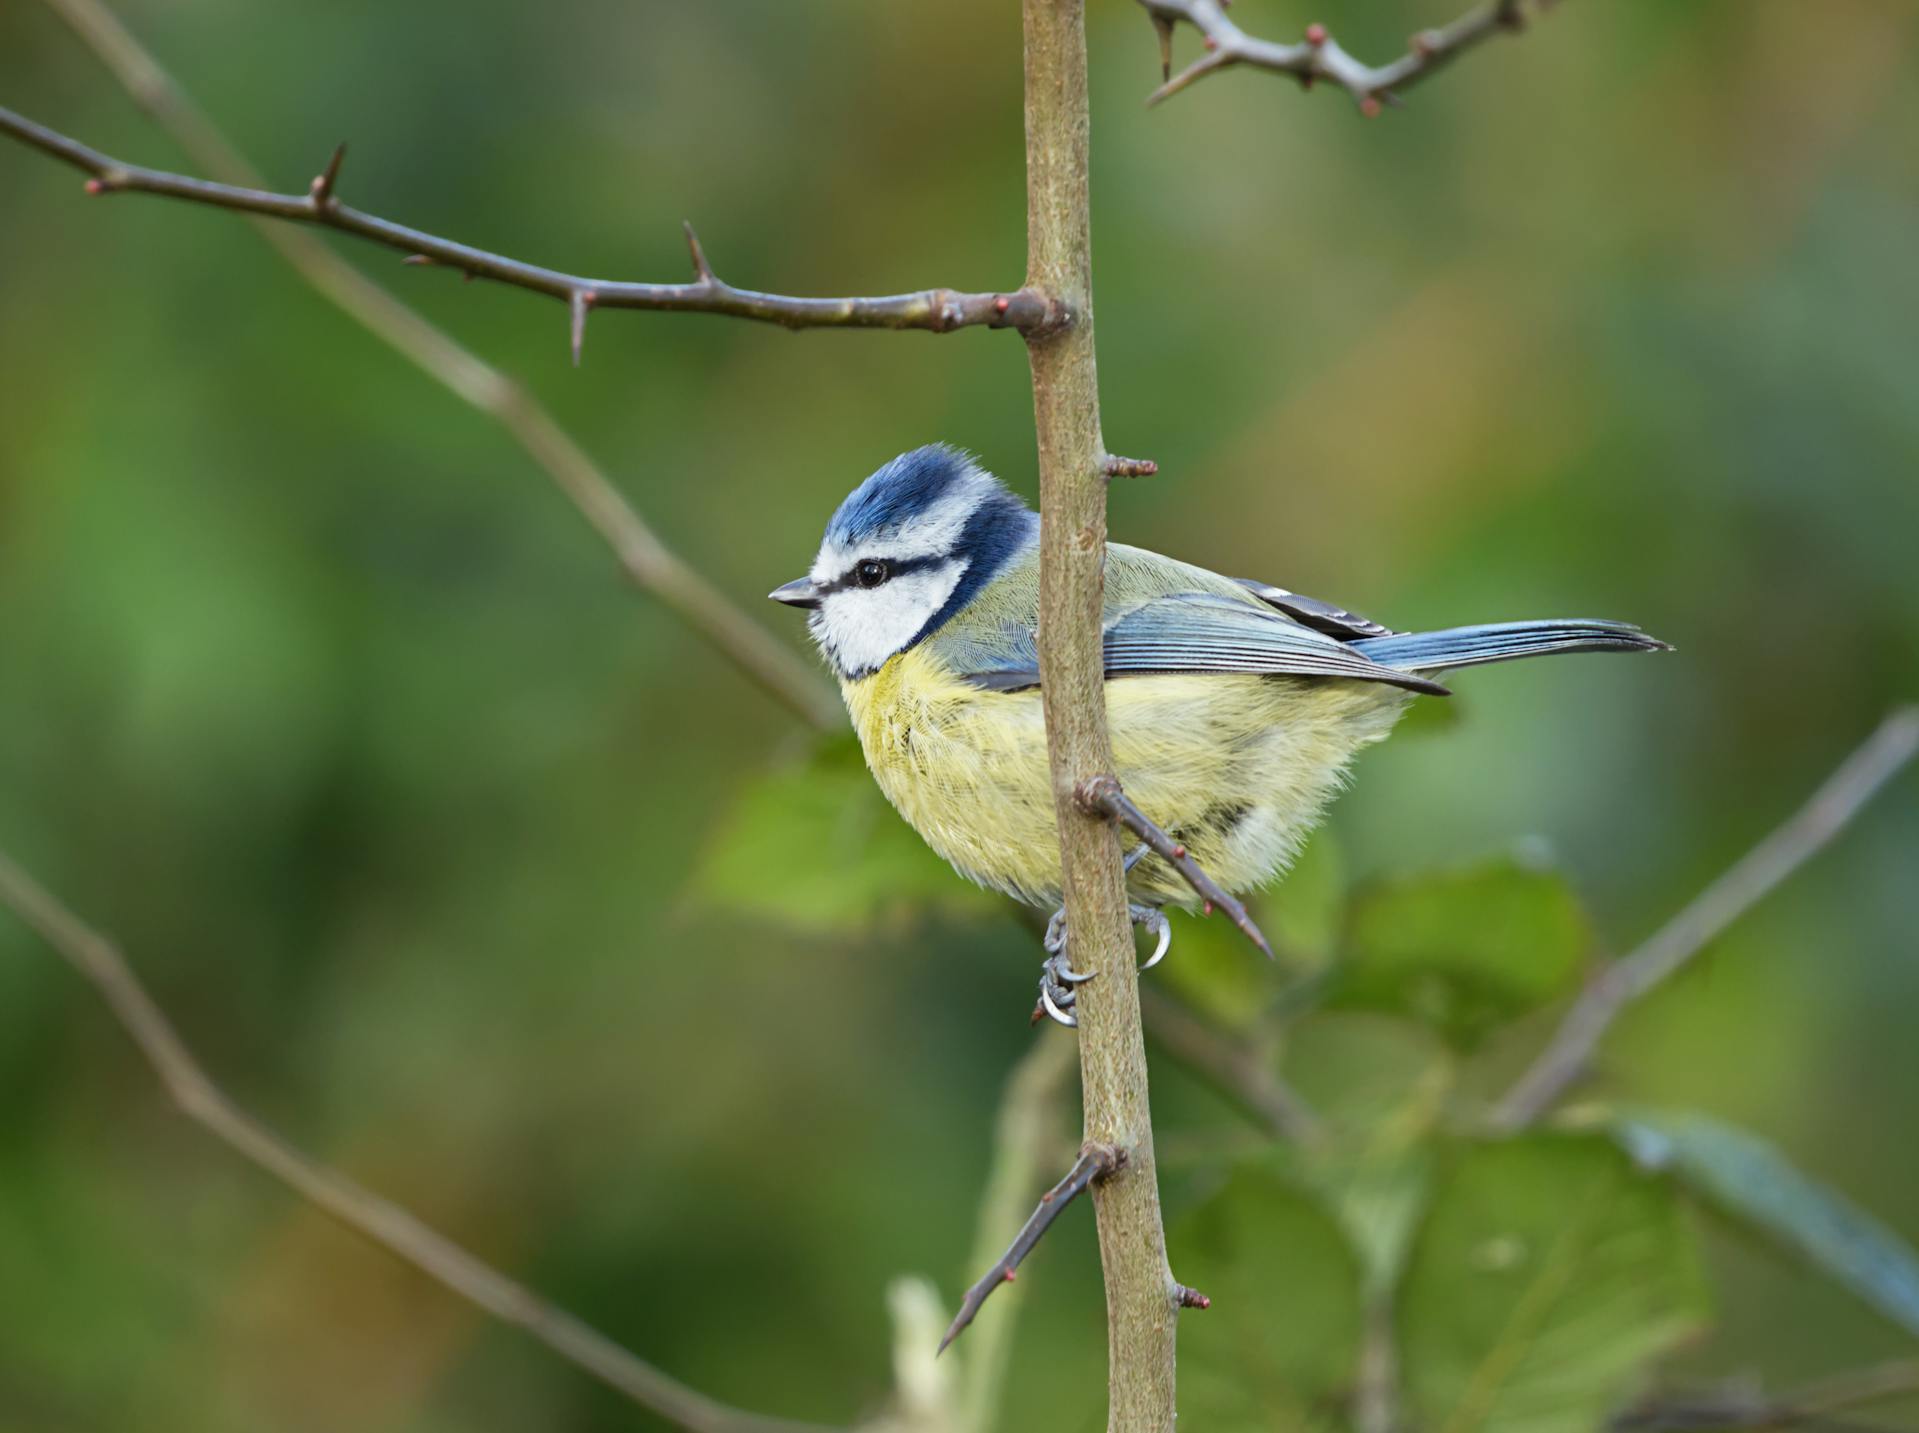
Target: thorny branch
x,y
1096,1161
1101,795
1828,811
937,310
1319,56
366,1213
646,560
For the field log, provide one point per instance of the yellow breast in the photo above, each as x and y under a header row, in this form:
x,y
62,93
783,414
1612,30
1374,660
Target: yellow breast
x,y
1236,767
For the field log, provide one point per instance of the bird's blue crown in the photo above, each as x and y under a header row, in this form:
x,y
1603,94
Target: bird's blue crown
x,y
910,487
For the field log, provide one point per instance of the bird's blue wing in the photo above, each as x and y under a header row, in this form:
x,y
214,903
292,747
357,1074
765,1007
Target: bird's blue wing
x,y
1321,616
1196,632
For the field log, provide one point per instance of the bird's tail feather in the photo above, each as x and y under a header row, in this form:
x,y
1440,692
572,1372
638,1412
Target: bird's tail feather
x,y
1503,642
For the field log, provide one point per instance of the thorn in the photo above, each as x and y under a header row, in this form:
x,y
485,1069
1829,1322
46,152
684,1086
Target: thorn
x,y
1315,34
1369,106
1117,467
94,186
701,269
1165,27
322,186
579,301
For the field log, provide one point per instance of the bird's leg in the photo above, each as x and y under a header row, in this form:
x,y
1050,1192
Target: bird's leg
x,y
1057,978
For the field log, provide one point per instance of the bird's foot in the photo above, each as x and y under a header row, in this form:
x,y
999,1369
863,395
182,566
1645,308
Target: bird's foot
x,y
1058,980
1153,920
1056,989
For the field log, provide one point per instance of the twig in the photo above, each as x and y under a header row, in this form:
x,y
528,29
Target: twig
x,y
1096,1161
1319,55
366,1213
1102,795
1118,467
1790,846
647,561
1231,1066
936,310
1739,1407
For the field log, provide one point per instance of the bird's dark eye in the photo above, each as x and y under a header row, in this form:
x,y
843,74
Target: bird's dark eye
x,y
871,573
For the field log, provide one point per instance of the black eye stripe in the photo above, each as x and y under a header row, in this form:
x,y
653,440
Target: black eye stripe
x,y
895,567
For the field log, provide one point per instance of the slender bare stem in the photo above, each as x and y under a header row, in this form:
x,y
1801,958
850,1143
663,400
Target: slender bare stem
x,y
936,310
1142,1301
1029,1137
1319,56
1095,1162
1103,795
1828,811
366,1213
647,561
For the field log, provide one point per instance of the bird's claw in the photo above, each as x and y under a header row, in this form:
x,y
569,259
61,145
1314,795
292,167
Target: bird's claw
x,y
1057,978
1056,982
1153,919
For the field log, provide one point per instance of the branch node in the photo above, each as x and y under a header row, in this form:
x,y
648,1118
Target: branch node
x,y
1315,34
1164,25
578,302
322,187
701,269
1095,1162
1190,1298
1103,796
1115,466
95,186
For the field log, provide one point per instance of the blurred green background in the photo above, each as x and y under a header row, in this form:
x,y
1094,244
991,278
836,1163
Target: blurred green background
x,y
316,695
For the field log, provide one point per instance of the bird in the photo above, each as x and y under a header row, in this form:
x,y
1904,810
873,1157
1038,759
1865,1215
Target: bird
x,y
1235,707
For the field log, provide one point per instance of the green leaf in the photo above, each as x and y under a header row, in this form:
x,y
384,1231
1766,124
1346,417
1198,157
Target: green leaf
x,y
1379,1086
1302,914
1466,950
1746,1178
816,846
1221,975
1277,1349
1549,1271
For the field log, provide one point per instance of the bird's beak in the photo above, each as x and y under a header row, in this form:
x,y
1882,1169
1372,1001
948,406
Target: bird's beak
x,y
798,593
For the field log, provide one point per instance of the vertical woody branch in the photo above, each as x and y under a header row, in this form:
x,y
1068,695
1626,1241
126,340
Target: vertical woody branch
x,y
1141,1297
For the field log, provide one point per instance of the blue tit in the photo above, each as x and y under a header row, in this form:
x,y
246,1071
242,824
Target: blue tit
x,y
1235,707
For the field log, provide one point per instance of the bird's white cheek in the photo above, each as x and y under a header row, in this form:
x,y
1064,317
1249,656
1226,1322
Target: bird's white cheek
x,y
859,630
